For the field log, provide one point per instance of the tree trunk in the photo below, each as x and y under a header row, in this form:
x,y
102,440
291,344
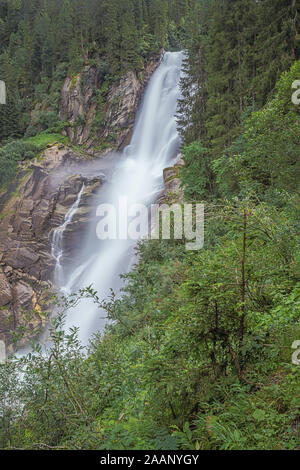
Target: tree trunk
x,y
243,284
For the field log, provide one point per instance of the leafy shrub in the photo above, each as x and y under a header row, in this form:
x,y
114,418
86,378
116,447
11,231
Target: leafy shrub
x,y
11,154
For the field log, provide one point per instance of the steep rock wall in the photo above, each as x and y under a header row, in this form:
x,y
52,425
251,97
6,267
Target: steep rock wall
x,y
101,118
173,191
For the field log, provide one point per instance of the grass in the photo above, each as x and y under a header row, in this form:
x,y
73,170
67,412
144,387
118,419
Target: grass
x,y
43,140
15,153
74,81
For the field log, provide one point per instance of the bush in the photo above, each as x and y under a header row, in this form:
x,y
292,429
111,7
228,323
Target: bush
x,y
13,153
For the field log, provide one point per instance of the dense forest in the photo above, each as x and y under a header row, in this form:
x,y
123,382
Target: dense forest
x,y
40,41
43,41
198,353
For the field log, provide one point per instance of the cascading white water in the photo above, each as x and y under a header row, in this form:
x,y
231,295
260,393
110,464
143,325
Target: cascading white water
x,y
138,177
57,239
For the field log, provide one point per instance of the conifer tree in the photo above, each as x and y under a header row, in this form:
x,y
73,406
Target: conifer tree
x,y
64,30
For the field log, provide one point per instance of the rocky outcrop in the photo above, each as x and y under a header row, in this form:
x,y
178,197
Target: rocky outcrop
x,y
122,103
103,118
78,104
44,197
5,290
173,192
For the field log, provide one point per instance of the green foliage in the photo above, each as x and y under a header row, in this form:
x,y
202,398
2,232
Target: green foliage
x,y
196,173
197,353
174,369
11,155
244,420
241,293
265,159
14,153
44,139
236,53
41,42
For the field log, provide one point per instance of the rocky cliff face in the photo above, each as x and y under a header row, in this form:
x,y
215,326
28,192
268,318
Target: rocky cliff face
x,y
26,266
173,192
103,118
77,104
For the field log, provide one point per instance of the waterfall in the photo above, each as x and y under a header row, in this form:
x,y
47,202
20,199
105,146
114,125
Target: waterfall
x,y
57,239
138,176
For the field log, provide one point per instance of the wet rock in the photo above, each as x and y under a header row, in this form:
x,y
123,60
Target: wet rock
x,y
24,294
44,198
173,191
79,106
7,324
5,290
21,258
122,103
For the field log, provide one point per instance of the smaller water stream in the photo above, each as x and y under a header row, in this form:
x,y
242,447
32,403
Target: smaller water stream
x,y
58,237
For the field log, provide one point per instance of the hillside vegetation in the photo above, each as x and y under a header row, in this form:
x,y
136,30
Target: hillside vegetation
x,y
198,353
41,43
